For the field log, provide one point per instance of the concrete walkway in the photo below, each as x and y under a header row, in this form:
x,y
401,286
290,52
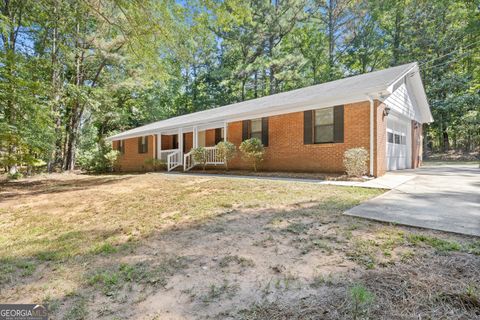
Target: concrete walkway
x,y
444,198
385,182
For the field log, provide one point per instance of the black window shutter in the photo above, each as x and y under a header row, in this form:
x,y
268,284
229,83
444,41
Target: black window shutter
x,y
338,124
145,150
245,133
218,135
265,131
308,127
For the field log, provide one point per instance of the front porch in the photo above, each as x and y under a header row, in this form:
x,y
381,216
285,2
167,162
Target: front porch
x,y
175,146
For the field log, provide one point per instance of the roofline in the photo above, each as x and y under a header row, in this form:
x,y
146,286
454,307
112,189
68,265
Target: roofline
x,y
306,104
274,111
391,85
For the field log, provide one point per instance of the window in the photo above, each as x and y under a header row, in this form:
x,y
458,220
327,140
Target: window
x,y
121,146
324,125
143,144
396,138
256,129
390,137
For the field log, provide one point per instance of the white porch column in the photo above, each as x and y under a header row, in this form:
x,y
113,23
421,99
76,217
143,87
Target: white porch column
x,y
225,126
159,146
195,137
180,143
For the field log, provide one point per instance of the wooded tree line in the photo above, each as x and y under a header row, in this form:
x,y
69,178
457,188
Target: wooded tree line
x,y
75,71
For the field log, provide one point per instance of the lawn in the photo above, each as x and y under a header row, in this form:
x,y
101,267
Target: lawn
x,y
166,246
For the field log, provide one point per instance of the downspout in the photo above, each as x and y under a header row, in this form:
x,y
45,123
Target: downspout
x,y
372,132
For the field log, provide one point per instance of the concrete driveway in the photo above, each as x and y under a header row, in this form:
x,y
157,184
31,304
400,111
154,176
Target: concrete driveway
x,y
443,197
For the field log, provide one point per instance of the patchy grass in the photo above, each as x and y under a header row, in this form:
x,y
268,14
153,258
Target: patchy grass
x,y
216,292
320,280
297,228
155,245
364,253
111,280
436,243
78,310
128,208
241,261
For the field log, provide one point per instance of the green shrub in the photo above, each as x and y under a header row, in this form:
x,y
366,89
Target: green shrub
x,y
111,158
355,161
101,159
199,155
226,151
253,151
155,164
15,176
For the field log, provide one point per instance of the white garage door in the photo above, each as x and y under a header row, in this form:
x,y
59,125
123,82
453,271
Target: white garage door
x,y
398,143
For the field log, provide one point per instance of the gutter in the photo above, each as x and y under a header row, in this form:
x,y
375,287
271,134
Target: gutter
x,y
372,131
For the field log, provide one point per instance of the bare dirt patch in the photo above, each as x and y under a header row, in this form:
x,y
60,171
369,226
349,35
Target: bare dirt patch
x,y
161,246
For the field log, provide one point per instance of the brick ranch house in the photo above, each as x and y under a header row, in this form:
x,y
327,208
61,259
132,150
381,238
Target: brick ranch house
x,y
303,130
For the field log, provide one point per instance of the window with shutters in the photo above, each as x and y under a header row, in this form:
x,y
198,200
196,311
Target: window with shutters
x,y
256,129
143,144
121,147
324,125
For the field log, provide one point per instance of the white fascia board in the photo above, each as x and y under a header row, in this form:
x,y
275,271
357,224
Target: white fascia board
x,y
240,116
421,98
392,86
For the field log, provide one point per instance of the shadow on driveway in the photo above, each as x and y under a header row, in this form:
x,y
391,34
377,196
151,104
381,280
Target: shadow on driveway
x,y
444,198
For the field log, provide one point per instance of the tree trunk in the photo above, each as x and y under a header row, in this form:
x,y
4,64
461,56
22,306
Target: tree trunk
x,y
243,89
9,40
56,160
255,84
272,71
397,33
446,142
331,39
76,111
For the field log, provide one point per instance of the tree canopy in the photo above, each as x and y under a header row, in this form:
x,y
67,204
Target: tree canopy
x,y
73,72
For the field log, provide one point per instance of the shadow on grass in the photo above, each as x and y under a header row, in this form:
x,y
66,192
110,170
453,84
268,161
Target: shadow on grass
x,y
28,188
109,275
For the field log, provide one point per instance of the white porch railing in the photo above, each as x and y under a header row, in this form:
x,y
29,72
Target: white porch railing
x,y
164,153
173,160
211,154
188,162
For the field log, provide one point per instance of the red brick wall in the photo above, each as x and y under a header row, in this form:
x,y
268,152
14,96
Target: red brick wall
x,y
131,160
210,138
287,152
167,142
416,144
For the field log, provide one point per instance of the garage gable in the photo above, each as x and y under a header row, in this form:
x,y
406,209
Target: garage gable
x,y
402,102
